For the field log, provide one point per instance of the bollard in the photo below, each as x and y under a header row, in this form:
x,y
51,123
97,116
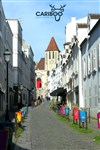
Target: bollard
x,y
98,118
75,115
62,110
67,111
83,117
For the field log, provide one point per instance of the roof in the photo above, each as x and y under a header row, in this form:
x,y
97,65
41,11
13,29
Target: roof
x,y
94,16
98,22
52,45
82,25
67,43
25,45
41,64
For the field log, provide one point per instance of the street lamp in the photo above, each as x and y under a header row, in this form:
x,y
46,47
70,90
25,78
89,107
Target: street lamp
x,y
21,89
7,55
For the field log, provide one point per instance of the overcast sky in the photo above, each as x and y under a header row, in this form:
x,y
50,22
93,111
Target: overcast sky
x,y
37,31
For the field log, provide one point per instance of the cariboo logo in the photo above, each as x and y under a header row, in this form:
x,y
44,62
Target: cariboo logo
x,y
56,12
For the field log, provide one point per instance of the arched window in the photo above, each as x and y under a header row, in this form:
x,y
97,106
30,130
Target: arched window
x,y
49,55
53,55
38,83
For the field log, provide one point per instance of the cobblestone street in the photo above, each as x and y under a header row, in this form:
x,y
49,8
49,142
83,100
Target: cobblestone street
x,y
44,131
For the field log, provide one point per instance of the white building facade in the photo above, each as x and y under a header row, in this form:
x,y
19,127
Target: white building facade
x,y
28,74
17,55
80,64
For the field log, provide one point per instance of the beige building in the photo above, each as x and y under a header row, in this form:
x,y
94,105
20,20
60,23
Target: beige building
x,y
44,66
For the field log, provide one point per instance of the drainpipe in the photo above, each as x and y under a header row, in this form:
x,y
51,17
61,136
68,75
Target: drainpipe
x,y
98,78
81,100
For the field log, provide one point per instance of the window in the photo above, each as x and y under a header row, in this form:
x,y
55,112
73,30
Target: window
x,y
53,55
99,55
1,101
85,98
89,65
84,68
0,20
76,66
96,95
94,63
0,47
90,100
49,55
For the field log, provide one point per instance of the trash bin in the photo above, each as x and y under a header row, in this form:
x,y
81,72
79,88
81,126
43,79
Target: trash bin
x,y
98,118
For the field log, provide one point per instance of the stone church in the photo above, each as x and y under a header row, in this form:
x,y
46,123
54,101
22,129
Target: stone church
x,y
44,66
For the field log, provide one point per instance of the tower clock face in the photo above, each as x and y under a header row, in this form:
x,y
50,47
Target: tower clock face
x,y
51,61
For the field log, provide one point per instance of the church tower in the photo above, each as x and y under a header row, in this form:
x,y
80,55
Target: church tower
x,y
51,55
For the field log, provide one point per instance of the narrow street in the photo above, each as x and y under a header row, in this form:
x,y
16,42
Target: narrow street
x,y
48,133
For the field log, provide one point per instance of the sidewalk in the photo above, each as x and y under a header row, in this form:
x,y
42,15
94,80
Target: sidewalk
x,y
24,141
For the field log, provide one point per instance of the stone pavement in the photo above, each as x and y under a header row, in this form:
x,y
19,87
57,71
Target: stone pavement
x,y
25,141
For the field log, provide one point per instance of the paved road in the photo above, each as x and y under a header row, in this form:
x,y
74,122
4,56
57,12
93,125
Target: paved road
x,y
48,133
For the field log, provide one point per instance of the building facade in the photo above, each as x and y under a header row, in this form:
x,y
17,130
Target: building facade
x,y
21,67
17,55
80,65
28,74
90,49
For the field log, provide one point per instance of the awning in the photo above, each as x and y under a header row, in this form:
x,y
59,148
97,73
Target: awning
x,y
2,91
58,92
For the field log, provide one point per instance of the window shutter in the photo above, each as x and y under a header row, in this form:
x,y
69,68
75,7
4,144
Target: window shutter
x,y
99,55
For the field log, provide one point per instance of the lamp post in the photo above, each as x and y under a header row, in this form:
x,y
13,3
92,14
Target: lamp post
x,y
21,89
7,55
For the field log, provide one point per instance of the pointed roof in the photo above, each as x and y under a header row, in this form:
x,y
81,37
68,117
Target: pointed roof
x,y
41,64
52,45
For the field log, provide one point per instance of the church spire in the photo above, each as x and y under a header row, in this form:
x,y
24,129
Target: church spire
x,y
52,45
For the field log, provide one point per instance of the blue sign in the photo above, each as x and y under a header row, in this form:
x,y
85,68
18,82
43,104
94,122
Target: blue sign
x,y
83,115
67,111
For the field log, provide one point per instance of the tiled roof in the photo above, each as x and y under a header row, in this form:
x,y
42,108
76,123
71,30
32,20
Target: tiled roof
x,y
41,64
94,16
67,43
52,45
82,25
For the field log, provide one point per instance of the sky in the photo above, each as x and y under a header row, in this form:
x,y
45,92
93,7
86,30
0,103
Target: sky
x,y
38,30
